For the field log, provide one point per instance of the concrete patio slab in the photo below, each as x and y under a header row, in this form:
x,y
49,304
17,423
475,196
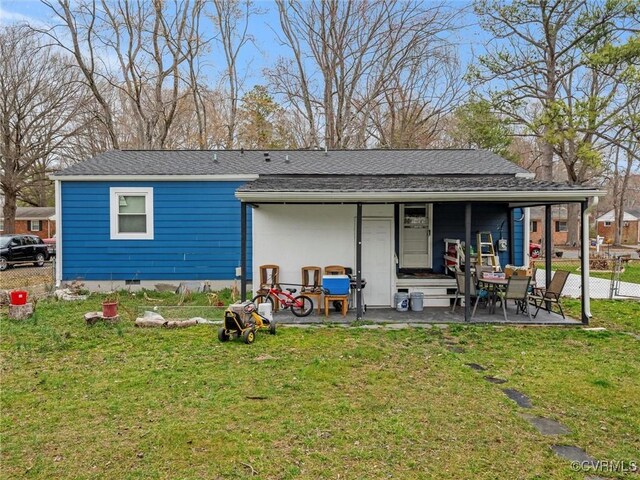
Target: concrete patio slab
x,y
435,316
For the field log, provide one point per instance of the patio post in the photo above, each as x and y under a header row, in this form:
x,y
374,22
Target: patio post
x,y
584,263
547,245
512,244
243,251
359,261
467,262
547,250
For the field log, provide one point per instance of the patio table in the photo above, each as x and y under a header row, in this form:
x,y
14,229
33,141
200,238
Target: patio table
x,y
494,286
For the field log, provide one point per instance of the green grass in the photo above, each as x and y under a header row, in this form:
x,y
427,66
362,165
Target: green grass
x,y
631,272
113,401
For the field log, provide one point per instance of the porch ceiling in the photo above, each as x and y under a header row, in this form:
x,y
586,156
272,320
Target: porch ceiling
x,y
411,188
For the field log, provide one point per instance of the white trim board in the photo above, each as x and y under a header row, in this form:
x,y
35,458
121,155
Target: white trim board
x,y
155,178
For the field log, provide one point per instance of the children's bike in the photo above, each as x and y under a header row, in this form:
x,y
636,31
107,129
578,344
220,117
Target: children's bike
x,y
300,305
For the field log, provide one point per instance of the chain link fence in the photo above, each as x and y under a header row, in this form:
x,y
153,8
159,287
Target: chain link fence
x,y
611,275
38,280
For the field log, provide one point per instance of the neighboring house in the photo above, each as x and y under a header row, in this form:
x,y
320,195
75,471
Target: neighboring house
x,y
630,234
559,227
40,221
145,217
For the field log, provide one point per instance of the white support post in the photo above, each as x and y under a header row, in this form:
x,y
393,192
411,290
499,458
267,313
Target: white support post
x,y
586,298
58,198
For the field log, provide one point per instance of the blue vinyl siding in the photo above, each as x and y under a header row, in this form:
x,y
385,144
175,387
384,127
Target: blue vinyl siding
x,y
448,222
196,233
518,236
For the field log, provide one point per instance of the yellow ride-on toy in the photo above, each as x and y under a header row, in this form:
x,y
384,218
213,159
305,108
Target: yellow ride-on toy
x,y
244,324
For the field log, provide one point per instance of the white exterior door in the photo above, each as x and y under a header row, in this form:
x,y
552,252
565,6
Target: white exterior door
x,y
377,261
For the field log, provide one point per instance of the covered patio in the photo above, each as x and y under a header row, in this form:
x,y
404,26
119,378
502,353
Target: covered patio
x,y
464,199
429,316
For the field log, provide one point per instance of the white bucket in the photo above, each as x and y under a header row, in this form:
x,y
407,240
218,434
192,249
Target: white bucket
x,y
264,309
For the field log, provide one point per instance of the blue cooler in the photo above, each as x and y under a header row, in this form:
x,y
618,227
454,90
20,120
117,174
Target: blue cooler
x,y
336,284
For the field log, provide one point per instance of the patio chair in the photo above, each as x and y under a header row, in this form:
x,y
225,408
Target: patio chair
x,y
269,277
517,290
545,298
335,270
460,280
312,284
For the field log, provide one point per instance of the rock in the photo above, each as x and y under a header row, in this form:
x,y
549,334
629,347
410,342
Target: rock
x,y
149,315
4,297
546,426
67,295
20,312
520,398
92,317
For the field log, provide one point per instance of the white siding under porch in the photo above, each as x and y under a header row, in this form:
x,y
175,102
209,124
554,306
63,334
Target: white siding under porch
x,y
293,236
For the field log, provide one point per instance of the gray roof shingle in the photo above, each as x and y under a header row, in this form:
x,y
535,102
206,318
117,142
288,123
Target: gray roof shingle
x,y
398,183
297,162
28,213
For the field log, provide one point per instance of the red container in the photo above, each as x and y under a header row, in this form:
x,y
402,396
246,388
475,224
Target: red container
x,y
18,297
110,309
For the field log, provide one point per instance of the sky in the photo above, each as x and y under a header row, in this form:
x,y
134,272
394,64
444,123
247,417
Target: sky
x,y
470,39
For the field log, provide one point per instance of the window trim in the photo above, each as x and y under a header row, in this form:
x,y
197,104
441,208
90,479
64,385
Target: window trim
x,y
607,223
31,229
561,230
114,195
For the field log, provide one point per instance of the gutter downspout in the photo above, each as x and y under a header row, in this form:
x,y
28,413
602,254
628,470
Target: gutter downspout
x,y
58,197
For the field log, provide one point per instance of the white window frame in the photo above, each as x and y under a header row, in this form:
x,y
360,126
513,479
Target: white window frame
x,y
607,223
31,229
114,197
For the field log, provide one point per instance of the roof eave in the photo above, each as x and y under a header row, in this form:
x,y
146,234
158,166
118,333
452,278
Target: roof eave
x,y
155,178
388,197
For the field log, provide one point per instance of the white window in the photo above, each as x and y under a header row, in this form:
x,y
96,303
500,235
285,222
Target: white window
x,y
607,224
35,225
131,213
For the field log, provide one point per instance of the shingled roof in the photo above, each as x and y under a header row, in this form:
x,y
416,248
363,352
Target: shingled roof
x,y
374,188
296,162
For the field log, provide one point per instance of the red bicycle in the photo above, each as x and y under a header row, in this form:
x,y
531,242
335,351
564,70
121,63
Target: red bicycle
x,y
300,306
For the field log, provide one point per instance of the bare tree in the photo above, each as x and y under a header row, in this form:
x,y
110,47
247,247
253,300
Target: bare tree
x,y
135,47
415,102
231,18
40,98
344,56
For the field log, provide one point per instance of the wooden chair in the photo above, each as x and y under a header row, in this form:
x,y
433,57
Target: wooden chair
x,y
460,281
335,270
312,284
545,298
269,277
517,290
343,299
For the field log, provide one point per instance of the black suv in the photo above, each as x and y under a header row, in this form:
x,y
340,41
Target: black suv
x,y
22,249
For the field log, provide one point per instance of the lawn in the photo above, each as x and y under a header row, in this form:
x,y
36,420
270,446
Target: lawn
x,y
631,272
113,401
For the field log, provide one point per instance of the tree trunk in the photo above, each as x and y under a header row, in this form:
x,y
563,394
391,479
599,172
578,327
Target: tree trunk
x,y
9,211
573,224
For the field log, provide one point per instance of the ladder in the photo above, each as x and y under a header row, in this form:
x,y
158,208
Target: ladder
x,y
486,253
